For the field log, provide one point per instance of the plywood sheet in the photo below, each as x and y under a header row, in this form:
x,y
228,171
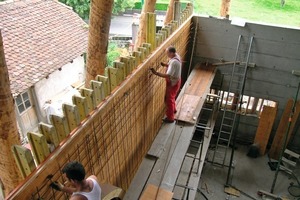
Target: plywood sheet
x,y
264,128
193,94
153,193
282,128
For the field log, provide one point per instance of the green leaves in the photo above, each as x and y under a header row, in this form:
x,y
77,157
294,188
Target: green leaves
x,y
81,7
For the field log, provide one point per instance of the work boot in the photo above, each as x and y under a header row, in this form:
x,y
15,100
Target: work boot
x,y
169,121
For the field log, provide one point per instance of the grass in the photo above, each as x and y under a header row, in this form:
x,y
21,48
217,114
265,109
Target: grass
x,y
266,11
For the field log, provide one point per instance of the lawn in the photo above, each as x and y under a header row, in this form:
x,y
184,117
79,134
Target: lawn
x,y
267,11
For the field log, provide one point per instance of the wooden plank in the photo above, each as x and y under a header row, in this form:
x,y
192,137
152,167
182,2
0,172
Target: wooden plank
x,y
158,145
113,77
61,126
126,62
106,84
72,115
147,47
121,72
282,128
264,129
153,193
192,97
133,64
24,159
138,57
140,179
109,192
82,106
174,165
38,146
49,132
99,93
162,162
151,29
88,94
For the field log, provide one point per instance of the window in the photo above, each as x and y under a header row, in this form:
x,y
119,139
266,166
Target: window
x,y
23,102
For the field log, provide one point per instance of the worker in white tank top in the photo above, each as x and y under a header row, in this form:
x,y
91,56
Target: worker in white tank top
x,y
80,188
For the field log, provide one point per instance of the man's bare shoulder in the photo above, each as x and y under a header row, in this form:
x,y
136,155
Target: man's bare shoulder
x,y
93,177
78,197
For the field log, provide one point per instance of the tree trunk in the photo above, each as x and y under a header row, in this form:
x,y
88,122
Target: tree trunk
x,y
9,173
149,6
224,11
99,24
170,12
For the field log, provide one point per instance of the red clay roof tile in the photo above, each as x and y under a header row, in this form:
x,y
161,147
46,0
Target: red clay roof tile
x,y
39,37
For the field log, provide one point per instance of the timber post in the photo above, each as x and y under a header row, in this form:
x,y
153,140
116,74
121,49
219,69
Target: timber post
x,y
9,135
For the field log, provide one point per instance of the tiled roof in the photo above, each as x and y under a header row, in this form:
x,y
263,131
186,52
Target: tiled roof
x,y
39,37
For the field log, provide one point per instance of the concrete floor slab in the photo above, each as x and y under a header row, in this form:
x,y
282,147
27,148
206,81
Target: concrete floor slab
x,y
249,176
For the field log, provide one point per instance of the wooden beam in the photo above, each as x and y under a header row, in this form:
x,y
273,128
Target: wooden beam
x,y
264,129
89,95
278,140
61,126
24,160
38,146
151,29
9,135
72,115
106,84
153,193
50,134
98,89
82,105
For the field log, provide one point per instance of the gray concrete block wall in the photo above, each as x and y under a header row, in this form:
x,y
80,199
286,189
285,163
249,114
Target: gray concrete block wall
x,y
275,51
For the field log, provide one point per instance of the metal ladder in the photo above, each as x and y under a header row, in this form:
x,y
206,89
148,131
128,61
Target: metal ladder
x,y
236,86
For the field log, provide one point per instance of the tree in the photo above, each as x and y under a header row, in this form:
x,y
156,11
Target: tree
x,y
224,11
121,5
100,18
149,6
82,7
9,173
170,12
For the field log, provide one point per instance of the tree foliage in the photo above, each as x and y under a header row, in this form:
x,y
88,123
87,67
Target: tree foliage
x,y
82,7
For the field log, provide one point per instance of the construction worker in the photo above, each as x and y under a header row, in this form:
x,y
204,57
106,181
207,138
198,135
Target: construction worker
x,y
173,80
80,188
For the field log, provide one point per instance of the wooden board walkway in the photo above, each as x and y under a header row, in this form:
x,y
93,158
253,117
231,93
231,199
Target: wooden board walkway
x,y
190,101
161,167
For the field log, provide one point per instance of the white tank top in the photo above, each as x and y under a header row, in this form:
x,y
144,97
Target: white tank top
x,y
95,194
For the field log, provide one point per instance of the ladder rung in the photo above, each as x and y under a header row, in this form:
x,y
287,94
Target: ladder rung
x,y
222,146
210,109
227,125
225,132
228,118
197,141
224,140
203,127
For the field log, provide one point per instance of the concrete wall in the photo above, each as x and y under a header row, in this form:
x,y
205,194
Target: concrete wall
x,y
275,51
58,81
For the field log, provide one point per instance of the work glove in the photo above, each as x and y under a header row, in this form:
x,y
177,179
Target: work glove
x,y
57,186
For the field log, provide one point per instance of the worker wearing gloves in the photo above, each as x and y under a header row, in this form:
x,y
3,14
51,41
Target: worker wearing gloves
x,y
81,188
173,80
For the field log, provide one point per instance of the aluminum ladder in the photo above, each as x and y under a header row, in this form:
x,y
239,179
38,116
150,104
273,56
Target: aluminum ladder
x,y
236,86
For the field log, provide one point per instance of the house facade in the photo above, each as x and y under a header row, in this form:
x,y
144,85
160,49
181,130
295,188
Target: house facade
x,y
44,43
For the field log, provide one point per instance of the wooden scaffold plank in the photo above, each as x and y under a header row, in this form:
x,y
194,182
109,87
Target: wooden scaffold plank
x,y
106,84
98,89
88,94
61,126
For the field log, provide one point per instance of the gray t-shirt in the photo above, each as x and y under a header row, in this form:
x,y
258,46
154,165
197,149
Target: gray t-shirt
x,y
174,69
